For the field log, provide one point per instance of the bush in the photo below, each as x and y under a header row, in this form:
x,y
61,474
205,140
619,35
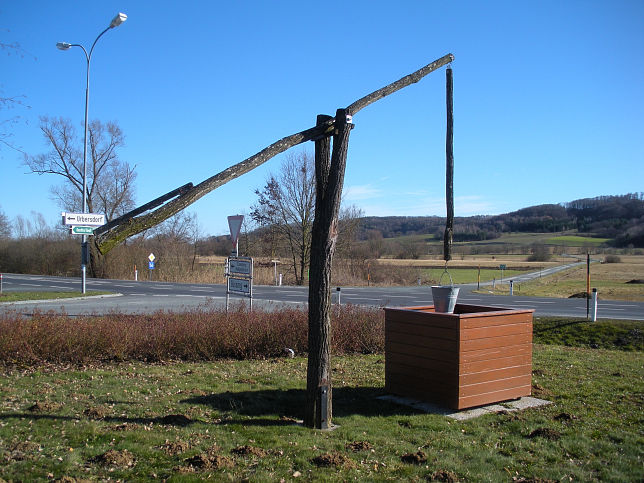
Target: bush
x,y
199,335
540,253
612,259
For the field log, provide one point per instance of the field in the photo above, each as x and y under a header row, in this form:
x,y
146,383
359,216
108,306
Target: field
x,y
231,419
610,279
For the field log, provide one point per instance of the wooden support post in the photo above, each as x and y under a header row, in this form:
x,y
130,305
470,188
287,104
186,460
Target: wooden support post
x,y
449,167
329,175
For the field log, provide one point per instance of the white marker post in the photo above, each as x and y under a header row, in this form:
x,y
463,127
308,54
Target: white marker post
x,y
593,306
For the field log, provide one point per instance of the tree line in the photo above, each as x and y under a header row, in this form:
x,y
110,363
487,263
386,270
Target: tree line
x,y
619,217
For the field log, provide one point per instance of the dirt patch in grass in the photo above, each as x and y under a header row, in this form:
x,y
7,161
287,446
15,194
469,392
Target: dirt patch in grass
x,y
565,417
444,475
356,446
174,448
20,451
124,427
122,459
547,433
71,479
417,458
247,450
97,412
209,459
44,407
335,459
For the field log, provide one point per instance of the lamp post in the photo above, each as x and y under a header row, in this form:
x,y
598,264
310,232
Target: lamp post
x,y
116,21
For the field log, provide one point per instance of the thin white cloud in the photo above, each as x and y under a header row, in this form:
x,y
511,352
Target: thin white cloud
x,y
361,192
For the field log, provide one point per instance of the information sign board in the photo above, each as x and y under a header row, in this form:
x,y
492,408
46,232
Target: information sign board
x,y
240,265
151,265
85,219
82,230
239,285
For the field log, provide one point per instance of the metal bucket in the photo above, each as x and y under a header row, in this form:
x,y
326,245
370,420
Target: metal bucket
x,y
445,295
444,298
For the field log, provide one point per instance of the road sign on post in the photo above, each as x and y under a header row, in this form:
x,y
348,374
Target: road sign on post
x,y
235,224
239,278
81,230
83,219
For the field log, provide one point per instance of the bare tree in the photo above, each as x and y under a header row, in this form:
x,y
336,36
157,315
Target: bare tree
x,y
8,103
286,205
110,181
5,226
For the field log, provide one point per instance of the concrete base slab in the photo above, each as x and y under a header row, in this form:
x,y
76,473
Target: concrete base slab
x,y
508,406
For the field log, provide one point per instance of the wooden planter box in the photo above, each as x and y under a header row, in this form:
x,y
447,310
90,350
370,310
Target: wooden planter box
x,y
475,356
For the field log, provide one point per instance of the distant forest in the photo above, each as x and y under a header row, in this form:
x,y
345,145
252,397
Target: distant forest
x,y
620,218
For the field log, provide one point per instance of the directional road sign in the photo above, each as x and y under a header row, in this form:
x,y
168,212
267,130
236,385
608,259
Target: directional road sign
x,y
83,219
82,230
239,285
240,265
151,265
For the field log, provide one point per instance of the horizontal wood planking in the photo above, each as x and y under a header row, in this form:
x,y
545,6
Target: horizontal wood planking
x,y
492,375
503,341
497,363
429,363
491,353
492,397
459,359
419,341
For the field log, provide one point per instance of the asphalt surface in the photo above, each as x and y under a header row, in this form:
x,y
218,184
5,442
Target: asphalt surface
x,y
148,297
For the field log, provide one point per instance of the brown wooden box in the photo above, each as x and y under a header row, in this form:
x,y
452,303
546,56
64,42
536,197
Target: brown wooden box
x,y
475,356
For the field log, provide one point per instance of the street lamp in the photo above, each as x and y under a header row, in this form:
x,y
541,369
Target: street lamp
x,y
116,21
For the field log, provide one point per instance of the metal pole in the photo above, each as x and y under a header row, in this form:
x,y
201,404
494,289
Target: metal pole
x,y
587,284
120,18
84,238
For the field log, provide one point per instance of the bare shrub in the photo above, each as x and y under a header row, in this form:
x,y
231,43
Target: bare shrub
x,y
205,334
612,259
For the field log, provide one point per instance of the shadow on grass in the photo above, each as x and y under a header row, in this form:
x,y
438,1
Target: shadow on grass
x,y
255,408
551,326
346,401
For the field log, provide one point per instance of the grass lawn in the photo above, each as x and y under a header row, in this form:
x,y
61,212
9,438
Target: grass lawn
x,y
235,420
22,296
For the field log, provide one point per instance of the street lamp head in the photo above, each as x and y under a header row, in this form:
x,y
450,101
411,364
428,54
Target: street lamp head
x,y
118,20
63,45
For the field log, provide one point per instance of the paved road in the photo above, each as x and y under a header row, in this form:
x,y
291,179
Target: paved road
x,y
147,297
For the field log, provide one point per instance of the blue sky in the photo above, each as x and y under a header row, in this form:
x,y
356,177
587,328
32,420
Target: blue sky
x,y
548,96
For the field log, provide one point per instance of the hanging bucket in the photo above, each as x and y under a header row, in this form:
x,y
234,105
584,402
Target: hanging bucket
x,y
445,295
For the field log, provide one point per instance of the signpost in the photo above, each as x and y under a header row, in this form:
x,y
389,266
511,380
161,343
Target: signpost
x,y
151,259
502,267
239,278
83,224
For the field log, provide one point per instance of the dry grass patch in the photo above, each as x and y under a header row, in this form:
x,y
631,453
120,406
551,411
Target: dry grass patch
x,y
610,279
